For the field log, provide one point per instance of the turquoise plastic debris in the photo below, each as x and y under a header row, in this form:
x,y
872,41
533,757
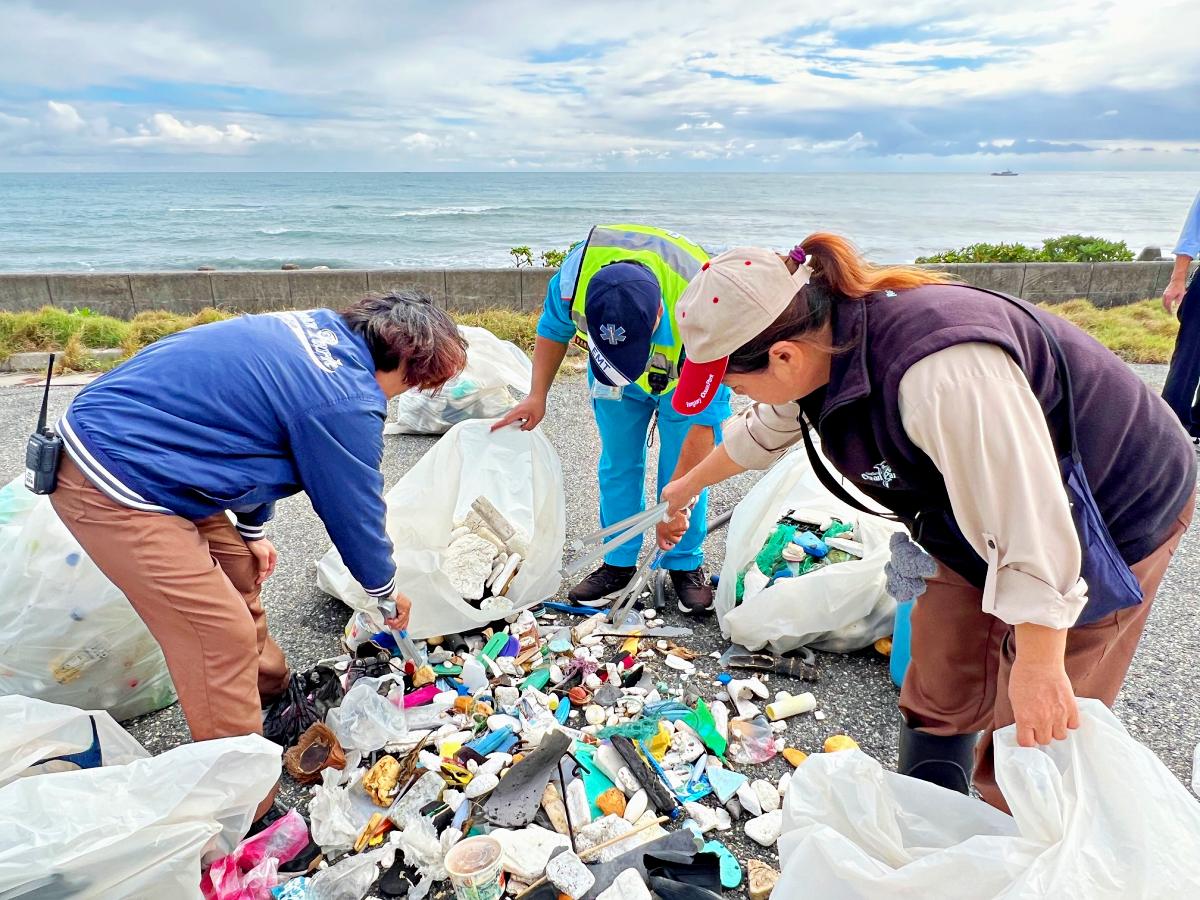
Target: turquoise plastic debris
x,y
701,721
537,679
725,783
564,710
595,782
731,869
671,710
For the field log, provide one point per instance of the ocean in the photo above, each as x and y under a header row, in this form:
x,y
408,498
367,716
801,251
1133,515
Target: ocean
x,y
119,222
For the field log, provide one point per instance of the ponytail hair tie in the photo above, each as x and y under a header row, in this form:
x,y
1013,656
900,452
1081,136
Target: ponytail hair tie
x,y
797,253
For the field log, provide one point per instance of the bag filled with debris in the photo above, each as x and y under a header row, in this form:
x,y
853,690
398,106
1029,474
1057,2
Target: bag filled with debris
x,y
519,475
483,390
836,601
67,634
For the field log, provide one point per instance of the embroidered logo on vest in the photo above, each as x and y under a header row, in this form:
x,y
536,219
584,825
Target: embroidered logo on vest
x,y
882,474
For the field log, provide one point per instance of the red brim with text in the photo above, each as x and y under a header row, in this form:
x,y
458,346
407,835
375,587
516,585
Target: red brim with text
x,y
698,385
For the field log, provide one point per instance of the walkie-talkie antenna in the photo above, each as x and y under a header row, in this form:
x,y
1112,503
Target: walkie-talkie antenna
x,y
41,425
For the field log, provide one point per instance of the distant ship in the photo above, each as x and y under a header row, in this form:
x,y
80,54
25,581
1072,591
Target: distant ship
x,y
1006,173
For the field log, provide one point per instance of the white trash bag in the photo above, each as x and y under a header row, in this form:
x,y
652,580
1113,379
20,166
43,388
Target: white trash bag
x,y
137,826
838,608
518,471
483,390
67,634
1095,816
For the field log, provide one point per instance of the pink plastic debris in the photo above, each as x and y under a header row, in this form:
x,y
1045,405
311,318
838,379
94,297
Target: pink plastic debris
x,y
251,870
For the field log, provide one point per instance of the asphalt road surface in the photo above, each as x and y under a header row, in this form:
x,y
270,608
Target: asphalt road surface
x,y
1158,704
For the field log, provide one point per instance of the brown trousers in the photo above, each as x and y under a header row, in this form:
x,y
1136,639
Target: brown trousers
x,y
192,583
957,681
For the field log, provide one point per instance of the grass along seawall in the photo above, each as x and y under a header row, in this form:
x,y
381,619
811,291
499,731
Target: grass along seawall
x,y
85,340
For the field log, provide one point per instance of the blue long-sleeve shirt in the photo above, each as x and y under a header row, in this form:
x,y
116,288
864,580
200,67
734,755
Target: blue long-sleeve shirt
x,y
235,415
1189,236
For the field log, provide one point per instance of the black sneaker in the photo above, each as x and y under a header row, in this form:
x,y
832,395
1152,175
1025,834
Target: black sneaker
x,y
601,585
693,591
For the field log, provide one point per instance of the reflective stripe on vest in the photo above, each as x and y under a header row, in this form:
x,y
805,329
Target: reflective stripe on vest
x,y
672,258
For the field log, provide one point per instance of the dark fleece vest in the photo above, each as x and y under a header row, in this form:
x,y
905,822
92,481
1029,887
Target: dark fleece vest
x,y
1138,460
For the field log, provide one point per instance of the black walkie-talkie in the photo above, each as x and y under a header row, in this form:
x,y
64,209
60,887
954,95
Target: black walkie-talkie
x,y
44,449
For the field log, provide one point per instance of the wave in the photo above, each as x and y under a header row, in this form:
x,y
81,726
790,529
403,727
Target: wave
x,y
442,211
216,209
281,231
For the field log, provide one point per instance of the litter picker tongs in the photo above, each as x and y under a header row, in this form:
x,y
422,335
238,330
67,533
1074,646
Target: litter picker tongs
x,y
598,543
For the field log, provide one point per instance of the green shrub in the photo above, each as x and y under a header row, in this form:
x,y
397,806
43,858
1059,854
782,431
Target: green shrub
x,y
1066,248
553,259
522,256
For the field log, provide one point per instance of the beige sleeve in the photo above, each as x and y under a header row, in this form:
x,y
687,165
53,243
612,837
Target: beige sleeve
x,y
758,435
971,409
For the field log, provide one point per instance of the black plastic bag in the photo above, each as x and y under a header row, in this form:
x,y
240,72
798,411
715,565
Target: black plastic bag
x,y
290,715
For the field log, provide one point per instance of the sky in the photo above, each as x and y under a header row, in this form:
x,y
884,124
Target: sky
x,y
923,85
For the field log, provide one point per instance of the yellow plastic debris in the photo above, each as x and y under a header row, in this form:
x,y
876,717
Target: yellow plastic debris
x,y
794,756
630,646
661,742
838,742
884,646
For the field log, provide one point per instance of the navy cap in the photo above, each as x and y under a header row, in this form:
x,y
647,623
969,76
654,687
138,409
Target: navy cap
x,y
622,306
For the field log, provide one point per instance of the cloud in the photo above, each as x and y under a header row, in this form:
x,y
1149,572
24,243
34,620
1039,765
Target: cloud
x,y
406,85
163,129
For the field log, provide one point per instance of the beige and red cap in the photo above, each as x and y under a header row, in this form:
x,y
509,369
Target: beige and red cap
x,y
733,299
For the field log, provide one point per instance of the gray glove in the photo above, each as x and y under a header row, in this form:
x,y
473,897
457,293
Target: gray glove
x,y
908,568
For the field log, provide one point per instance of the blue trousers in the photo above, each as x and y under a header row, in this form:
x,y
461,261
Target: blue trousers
x,y
1183,378
624,428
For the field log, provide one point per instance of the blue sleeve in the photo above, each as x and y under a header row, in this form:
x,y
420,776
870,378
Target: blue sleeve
x,y
338,449
1189,236
717,411
251,524
555,322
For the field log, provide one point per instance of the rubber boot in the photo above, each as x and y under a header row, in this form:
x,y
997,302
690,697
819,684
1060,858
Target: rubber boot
x,y
945,761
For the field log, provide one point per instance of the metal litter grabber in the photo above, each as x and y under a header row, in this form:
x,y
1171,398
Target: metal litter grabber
x,y
596,544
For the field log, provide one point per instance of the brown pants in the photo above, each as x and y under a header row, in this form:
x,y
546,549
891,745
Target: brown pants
x,y
192,583
957,682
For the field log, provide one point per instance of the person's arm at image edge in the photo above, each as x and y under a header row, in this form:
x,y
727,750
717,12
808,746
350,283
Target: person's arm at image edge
x,y
1186,249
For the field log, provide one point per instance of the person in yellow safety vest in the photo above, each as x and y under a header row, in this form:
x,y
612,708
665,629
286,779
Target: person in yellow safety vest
x,y
615,296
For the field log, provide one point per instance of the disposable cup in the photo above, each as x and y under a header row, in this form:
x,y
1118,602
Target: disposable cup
x,y
474,869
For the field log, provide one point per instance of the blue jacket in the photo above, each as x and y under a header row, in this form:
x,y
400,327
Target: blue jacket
x,y
233,416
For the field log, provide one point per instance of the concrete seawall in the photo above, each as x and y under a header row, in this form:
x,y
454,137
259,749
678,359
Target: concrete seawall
x,y
126,294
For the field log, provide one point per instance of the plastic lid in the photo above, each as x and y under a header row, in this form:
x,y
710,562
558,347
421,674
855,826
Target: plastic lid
x,y
472,855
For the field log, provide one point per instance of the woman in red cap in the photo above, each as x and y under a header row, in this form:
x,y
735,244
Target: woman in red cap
x,y
1011,444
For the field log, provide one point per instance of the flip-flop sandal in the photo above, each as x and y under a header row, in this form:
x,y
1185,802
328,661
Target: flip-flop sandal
x,y
516,800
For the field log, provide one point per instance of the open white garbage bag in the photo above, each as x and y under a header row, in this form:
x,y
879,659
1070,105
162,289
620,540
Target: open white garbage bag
x,y
66,633
137,826
518,471
838,608
483,390
1095,816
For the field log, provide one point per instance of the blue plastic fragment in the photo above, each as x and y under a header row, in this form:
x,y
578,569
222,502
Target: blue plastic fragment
x,y
811,544
564,710
493,742
667,709
575,610
724,678
512,648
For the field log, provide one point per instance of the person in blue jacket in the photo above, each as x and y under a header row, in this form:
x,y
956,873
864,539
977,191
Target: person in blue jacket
x,y
615,296
174,461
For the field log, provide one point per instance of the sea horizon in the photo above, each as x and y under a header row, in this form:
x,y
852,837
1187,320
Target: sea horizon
x,y
180,221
